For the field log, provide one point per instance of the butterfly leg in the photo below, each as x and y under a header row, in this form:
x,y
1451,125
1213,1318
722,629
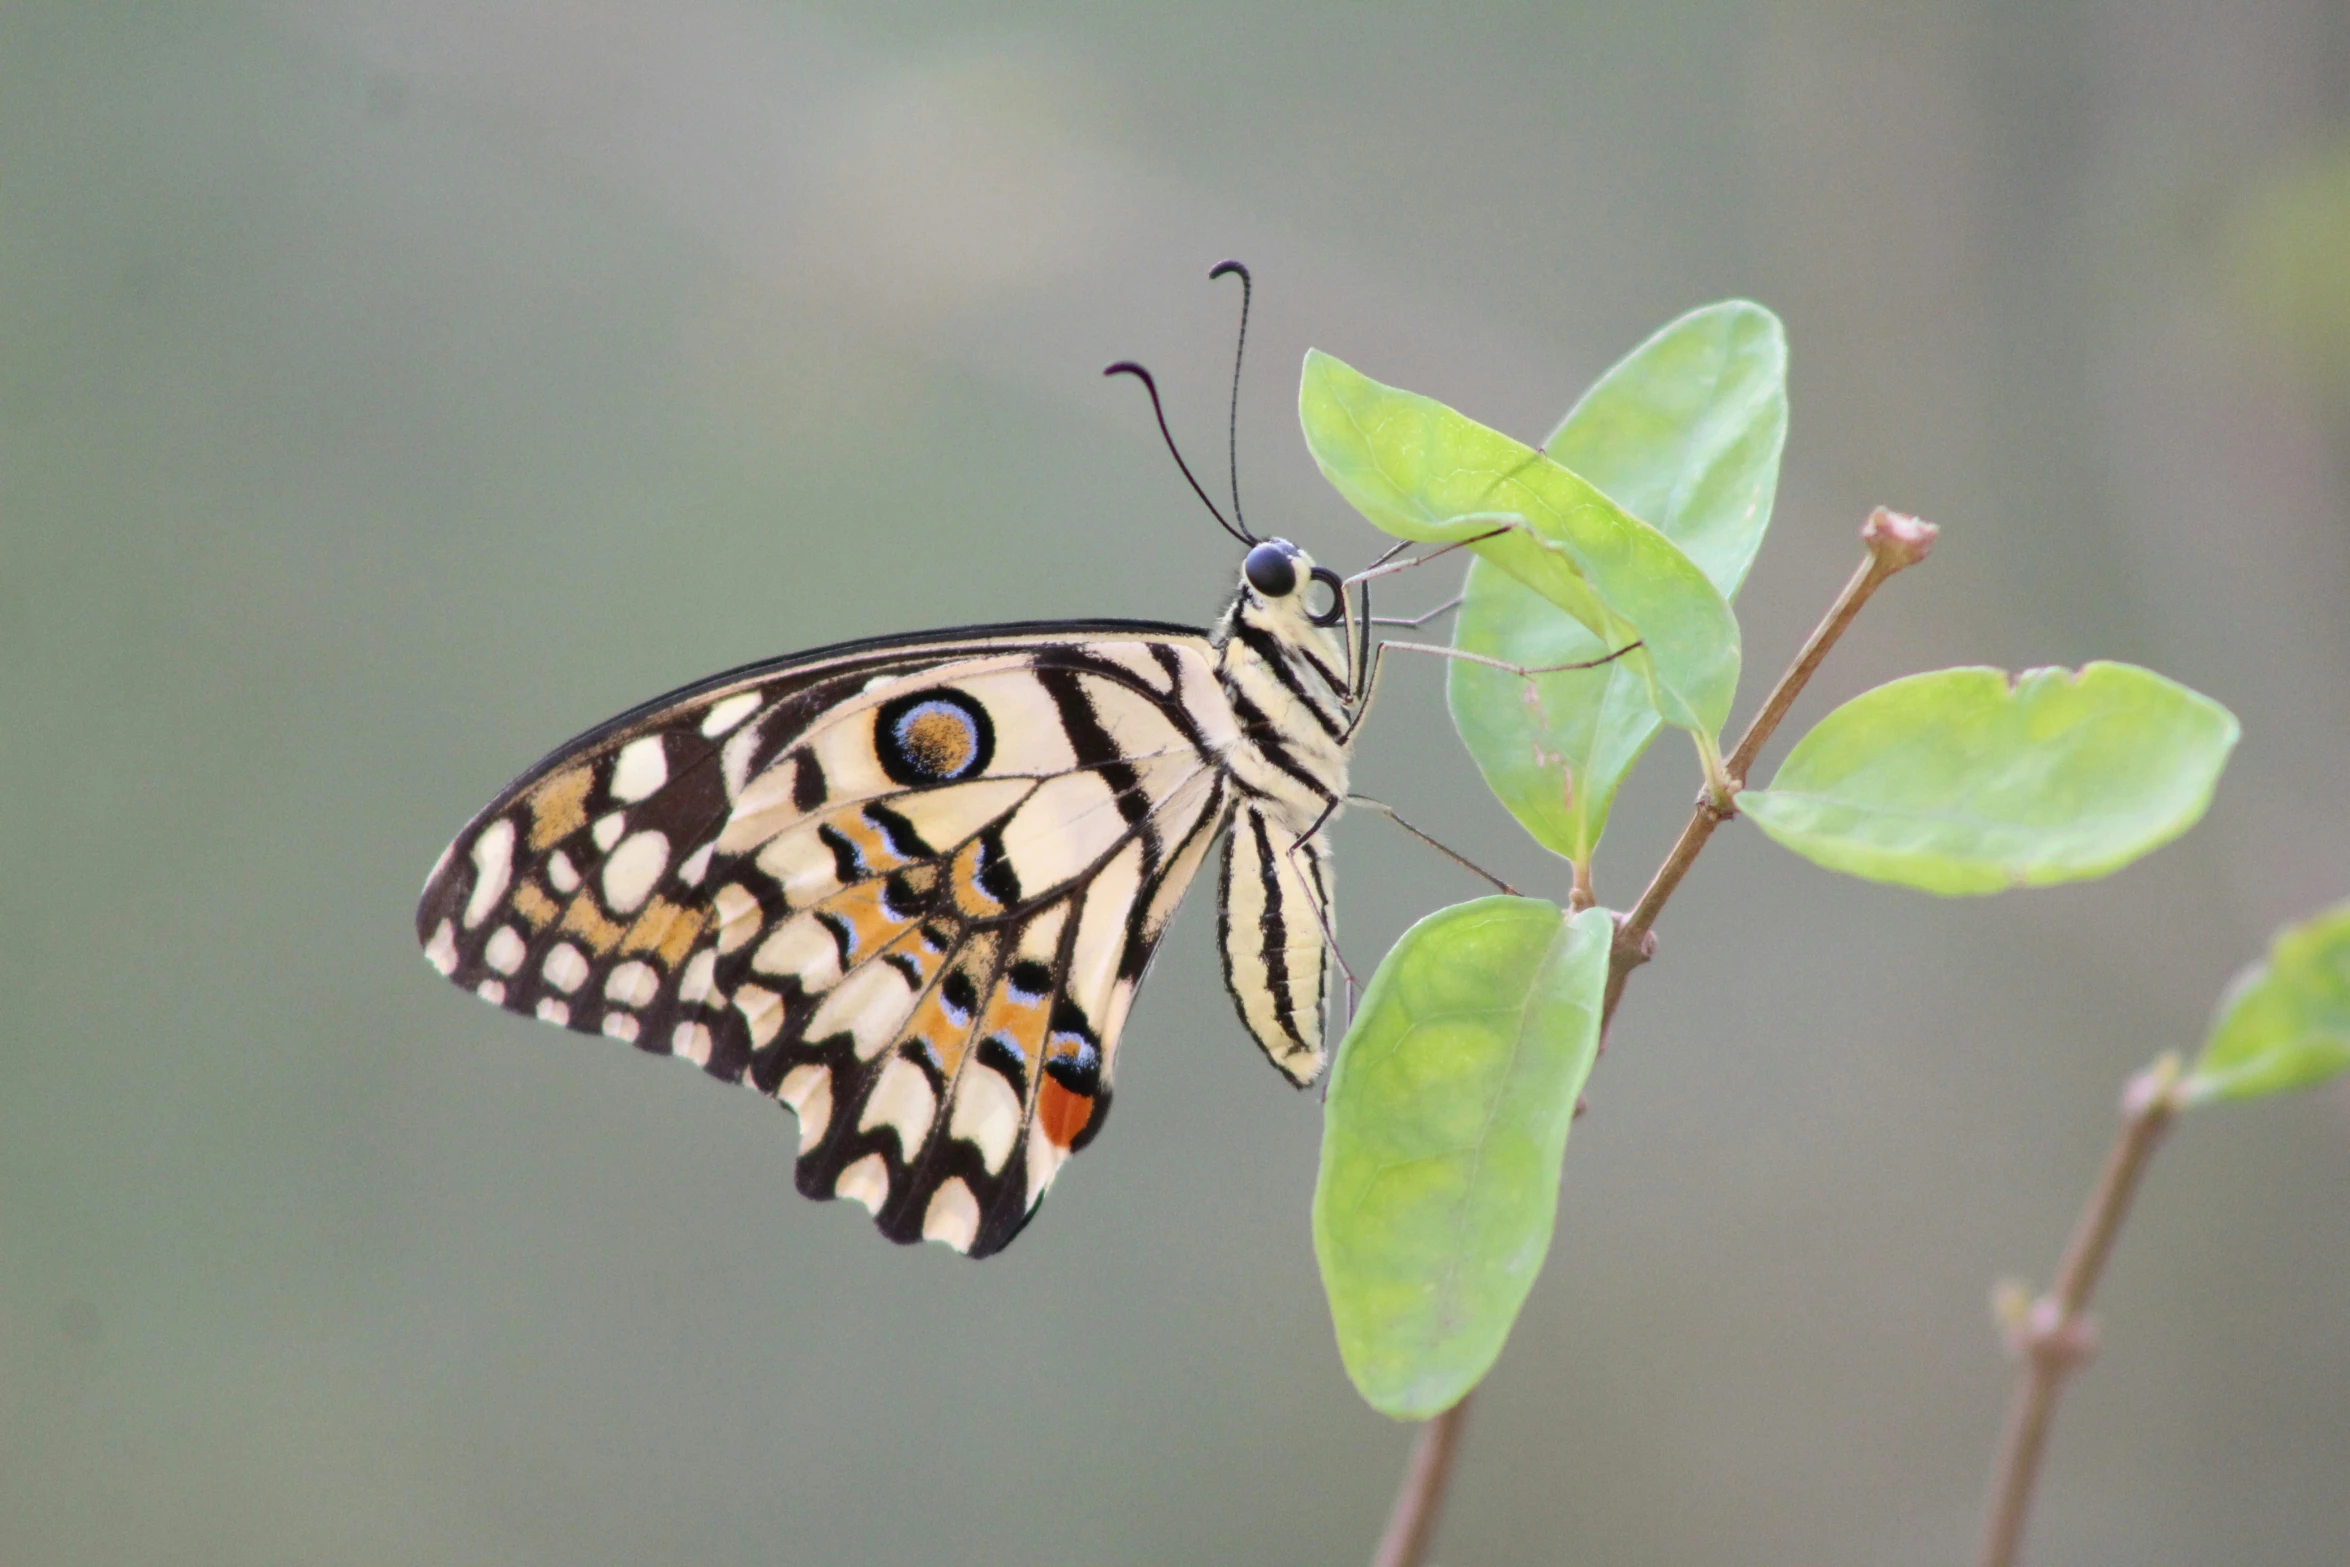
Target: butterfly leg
x,y
1448,605
1310,880
1523,671
1439,846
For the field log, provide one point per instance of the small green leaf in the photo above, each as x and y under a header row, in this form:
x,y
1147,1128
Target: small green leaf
x,y
2285,1022
1956,782
1420,471
1685,433
1446,1126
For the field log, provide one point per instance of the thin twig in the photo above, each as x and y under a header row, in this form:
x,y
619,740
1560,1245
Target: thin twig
x,y
1894,541
1417,1501
2054,1336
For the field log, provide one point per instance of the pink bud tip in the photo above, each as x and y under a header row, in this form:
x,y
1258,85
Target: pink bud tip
x,y
1897,539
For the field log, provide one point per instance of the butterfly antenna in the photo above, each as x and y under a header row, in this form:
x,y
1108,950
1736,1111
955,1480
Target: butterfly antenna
x,y
1129,367
1248,289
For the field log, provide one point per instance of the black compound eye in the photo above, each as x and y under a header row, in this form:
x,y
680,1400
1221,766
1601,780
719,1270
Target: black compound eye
x,y
1271,569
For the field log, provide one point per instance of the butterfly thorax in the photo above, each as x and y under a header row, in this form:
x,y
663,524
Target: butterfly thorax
x,y
1287,681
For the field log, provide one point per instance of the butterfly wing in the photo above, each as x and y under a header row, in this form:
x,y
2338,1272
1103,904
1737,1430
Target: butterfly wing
x,y
908,888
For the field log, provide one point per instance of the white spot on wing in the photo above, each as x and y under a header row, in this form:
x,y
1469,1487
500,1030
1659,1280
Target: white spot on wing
x,y
801,860
505,951
700,977
642,768
986,1115
953,1216
902,1101
870,1005
493,867
803,948
608,829
632,984
762,1009
738,917
1044,1162
725,715
807,1088
621,1025
1067,825
553,1011
562,872
697,864
565,966
866,1181
692,1042
633,870
441,951
734,762
492,991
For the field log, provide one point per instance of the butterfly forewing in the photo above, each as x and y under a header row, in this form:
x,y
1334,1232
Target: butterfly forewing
x,y
907,888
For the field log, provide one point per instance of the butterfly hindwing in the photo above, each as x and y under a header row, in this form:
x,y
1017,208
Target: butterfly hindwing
x,y
907,888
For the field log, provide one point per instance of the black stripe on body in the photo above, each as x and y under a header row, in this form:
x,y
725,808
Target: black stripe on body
x,y
1269,652
1242,620
1261,733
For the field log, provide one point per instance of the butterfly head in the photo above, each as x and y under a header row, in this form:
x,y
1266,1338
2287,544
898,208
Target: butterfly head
x,y
1285,580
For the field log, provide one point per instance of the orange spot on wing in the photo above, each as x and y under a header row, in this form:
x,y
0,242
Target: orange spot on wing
x,y
558,807
972,900
533,905
1061,1113
590,923
871,926
667,930
931,1027
872,848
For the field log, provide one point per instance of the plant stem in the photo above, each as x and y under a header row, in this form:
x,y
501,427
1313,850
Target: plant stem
x,y
1412,1523
2054,1336
1894,541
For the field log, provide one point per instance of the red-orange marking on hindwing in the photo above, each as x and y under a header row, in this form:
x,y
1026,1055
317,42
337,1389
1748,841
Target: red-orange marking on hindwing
x,y
1061,1113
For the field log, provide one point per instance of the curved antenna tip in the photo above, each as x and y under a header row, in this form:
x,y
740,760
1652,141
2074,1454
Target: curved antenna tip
x,y
1222,267
1151,385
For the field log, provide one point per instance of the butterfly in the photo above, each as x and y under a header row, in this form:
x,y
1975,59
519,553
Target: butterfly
x,y
908,886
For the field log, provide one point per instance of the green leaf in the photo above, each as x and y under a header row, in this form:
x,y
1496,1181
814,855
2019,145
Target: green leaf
x,y
2285,1022
1420,471
1446,1125
1956,782
1685,433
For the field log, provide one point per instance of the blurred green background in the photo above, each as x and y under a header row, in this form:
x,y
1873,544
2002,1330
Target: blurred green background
x,y
390,390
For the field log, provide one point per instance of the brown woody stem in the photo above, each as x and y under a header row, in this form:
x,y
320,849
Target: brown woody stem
x,y
2054,1336
1894,541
